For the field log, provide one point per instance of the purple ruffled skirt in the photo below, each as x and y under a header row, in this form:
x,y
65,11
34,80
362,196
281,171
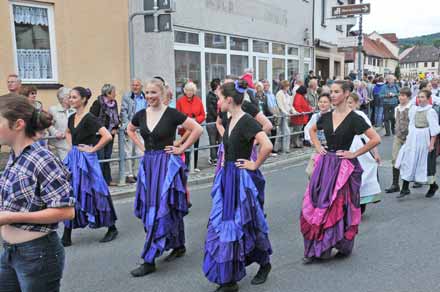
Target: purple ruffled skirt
x,y
331,211
237,230
94,206
161,202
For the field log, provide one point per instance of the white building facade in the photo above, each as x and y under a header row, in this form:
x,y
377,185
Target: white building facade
x,y
214,38
329,35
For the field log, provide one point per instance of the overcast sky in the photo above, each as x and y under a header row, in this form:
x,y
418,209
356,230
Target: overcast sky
x,y
407,18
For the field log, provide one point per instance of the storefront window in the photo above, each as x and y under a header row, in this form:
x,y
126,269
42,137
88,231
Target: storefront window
x,y
187,68
238,44
292,51
186,37
278,49
238,64
215,41
278,72
261,47
215,67
292,69
307,53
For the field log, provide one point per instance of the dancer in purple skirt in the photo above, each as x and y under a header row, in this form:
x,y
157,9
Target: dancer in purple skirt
x,y
237,230
94,206
160,199
331,207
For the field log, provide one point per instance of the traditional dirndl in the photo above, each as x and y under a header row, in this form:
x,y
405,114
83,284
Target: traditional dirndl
x,y
161,202
237,229
370,187
94,206
331,206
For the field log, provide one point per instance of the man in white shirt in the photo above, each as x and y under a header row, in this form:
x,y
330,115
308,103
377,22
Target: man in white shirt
x,y
60,113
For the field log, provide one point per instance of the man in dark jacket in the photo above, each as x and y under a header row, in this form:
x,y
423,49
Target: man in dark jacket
x,y
211,117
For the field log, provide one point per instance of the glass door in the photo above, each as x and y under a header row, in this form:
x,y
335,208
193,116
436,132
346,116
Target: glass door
x,y
262,68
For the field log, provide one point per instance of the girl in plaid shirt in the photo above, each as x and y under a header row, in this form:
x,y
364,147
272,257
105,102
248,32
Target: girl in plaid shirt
x,y
34,197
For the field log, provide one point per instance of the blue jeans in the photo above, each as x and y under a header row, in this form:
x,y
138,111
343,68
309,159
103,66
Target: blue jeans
x,y
32,266
378,111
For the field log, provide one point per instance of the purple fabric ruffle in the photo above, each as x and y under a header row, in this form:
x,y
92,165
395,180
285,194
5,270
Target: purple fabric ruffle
x,y
237,230
94,206
161,202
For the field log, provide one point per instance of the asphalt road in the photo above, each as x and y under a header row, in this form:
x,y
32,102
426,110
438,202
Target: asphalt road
x,y
397,248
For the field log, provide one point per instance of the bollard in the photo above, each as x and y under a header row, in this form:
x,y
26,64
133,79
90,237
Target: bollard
x,y
121,141
191,160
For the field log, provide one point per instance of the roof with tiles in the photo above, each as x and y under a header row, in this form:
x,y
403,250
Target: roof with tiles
x,y
377,49
422,54
392,37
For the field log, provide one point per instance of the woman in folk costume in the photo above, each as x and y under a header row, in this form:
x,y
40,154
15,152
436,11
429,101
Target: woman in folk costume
x,y
417,157
94,206
161,201
253,111
324,107
237,229
331,207
370,188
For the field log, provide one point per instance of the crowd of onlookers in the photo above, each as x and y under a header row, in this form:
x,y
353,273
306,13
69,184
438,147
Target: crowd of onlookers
x,y
289,108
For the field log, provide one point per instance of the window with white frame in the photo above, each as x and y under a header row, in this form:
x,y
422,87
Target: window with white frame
x,y
307,52
239,44
278,49
184,37
34,42
293,51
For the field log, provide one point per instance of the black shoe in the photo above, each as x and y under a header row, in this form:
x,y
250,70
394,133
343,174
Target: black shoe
x,y
416,185
308,261
190,205
432,189
340,255
262,274
143,270
231,287
403,193
66,240
363,208
392,189
176,253
111,234
130,180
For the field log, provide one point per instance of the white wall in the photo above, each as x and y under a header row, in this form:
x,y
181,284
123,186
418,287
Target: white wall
x,y
328,32
390,46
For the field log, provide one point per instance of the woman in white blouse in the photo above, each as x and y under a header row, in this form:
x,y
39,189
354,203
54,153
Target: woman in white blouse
x,y
284,101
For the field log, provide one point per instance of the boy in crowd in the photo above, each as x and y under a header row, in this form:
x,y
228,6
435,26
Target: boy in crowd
x,y
401,114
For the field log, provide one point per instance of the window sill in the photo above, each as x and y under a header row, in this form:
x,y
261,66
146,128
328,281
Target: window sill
x,y
44,86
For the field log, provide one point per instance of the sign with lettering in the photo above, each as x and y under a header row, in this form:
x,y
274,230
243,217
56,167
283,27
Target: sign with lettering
x,y
345,10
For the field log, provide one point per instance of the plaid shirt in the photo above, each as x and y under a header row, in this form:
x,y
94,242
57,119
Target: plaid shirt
x,y
34,181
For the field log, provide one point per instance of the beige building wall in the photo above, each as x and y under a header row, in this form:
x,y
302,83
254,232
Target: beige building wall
x,y
91,45
333,56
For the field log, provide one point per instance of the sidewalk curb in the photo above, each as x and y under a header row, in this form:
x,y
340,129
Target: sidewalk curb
x,y
125,192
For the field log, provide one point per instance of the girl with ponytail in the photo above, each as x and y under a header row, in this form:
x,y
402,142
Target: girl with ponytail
x,y
34,197
94,206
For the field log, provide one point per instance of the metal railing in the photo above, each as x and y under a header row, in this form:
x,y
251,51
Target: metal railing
x,y
122,157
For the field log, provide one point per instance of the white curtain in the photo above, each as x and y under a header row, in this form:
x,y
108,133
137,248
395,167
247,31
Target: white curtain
x,y
34,64
30,15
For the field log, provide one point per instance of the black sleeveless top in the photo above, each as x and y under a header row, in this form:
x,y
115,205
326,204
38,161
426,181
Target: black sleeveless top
x,y
86,131
342,137
238,144
164,133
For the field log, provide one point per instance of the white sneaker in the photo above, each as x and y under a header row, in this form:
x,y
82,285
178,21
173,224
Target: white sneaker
x,y
196,170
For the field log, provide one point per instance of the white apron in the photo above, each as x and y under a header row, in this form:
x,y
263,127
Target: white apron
x,y
370,184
